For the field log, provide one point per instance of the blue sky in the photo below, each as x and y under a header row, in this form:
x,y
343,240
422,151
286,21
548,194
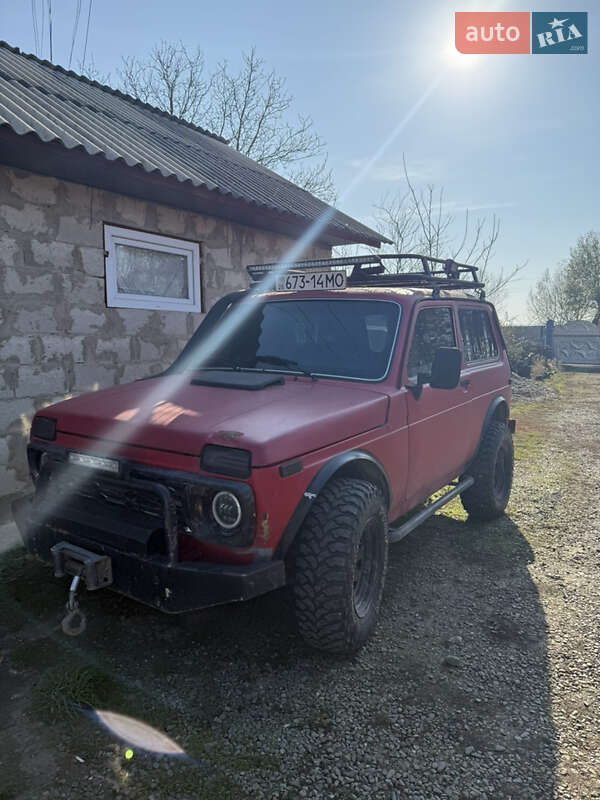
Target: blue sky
x,y
514,135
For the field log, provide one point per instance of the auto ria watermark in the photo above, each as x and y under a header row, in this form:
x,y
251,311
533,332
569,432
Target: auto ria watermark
x,y
521,32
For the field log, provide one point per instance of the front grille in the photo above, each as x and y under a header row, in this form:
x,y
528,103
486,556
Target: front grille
x,y
128,512
75,484
132,499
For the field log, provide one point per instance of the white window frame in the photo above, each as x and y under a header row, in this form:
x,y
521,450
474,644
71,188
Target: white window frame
x,y
114,235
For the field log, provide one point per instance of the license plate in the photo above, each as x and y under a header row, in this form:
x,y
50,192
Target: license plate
x,y
94,462
309,281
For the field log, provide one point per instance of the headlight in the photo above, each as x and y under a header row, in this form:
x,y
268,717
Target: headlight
x,y
226,510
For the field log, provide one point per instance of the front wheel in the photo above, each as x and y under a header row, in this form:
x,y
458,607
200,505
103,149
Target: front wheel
x,y
339,566
493,474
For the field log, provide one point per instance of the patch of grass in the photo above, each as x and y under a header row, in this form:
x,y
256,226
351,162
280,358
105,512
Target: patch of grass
x,y
559,381
527,444
61,691
453,509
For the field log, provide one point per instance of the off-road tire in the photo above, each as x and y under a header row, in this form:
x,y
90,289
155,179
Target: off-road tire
x,y
340,560
493,473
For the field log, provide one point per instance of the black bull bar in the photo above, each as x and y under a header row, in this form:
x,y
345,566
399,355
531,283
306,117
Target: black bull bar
x,y
159,581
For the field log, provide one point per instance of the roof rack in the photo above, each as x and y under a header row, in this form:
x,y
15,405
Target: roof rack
x,y
370,270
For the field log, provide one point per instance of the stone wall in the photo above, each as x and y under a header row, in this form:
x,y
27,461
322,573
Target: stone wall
x,y
57,337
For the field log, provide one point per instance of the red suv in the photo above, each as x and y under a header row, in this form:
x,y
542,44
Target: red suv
x,y
298,423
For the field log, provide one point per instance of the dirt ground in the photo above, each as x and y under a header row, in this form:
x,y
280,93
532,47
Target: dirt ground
x,y
482,680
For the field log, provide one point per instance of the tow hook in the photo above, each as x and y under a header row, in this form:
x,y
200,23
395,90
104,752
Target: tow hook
x,y
74,621
94,568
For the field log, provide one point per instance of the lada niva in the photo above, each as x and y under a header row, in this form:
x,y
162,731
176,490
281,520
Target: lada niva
x,y
297,425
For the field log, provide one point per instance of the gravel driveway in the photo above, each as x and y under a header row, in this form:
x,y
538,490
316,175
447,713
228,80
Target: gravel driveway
x,y
481,682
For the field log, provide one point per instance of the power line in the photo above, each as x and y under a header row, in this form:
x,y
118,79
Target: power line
x,y
50,25
87,30
43,29
36,34
75,26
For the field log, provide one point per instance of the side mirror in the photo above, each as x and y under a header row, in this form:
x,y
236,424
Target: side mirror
x,y
445,372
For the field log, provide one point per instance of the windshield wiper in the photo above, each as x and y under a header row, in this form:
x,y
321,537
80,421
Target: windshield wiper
x,y
278,361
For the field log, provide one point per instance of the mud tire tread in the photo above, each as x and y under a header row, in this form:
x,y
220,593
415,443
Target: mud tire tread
x,y
325,554
480,501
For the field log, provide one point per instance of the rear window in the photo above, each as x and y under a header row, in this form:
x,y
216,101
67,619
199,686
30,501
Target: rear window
x,y
479,343
335,338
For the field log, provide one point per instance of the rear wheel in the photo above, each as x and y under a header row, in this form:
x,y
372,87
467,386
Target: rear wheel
x,y
493,474
339,566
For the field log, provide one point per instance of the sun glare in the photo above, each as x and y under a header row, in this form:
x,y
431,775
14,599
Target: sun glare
x,y
459,60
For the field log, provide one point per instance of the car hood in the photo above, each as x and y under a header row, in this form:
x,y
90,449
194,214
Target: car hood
x,y
276,423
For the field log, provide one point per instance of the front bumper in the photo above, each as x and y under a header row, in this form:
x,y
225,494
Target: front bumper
x,y
172,587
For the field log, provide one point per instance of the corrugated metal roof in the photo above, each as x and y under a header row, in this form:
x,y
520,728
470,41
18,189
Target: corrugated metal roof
x,y
44,99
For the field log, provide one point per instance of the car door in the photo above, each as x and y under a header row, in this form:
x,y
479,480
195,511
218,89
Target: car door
x,y
437,418
483,365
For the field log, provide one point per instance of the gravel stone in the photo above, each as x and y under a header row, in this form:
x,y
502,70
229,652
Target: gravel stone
x,y
240,692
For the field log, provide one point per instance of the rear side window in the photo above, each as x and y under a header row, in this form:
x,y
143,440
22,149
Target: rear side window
x,y
479,343
434,328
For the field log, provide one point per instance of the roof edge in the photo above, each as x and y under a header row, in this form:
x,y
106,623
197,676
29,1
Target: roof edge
x,y
30,153
147,106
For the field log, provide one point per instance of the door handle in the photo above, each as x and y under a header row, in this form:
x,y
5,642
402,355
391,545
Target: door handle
x,y
465,382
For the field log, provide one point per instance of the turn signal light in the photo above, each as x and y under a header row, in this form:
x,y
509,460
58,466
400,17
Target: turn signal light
x,y
44,428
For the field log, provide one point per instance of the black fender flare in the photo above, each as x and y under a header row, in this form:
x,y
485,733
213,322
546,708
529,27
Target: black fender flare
x,y
497,407
342,462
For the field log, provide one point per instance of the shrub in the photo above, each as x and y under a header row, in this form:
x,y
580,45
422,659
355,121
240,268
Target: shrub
x,y
527,358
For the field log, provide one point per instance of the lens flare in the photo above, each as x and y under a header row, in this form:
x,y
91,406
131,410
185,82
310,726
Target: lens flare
x,y
137,734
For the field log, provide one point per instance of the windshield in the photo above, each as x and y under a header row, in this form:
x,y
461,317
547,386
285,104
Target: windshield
x,y
336,338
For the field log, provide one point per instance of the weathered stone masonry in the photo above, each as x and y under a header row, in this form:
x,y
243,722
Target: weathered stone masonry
x,y
57,337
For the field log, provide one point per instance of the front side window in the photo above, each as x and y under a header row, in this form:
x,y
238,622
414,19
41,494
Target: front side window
x,y
145,270
336,338
479,343
434,328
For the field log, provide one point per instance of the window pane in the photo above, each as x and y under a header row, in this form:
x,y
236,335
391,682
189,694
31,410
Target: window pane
x,y
434,328
476,331
345,338
151,272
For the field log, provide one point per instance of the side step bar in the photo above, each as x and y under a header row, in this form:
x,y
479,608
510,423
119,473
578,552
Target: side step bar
x,y
399,533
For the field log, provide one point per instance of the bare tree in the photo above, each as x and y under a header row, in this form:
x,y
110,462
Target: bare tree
x,y
572,290
250,107
93,73
315,178
550,300
417,221
170,78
